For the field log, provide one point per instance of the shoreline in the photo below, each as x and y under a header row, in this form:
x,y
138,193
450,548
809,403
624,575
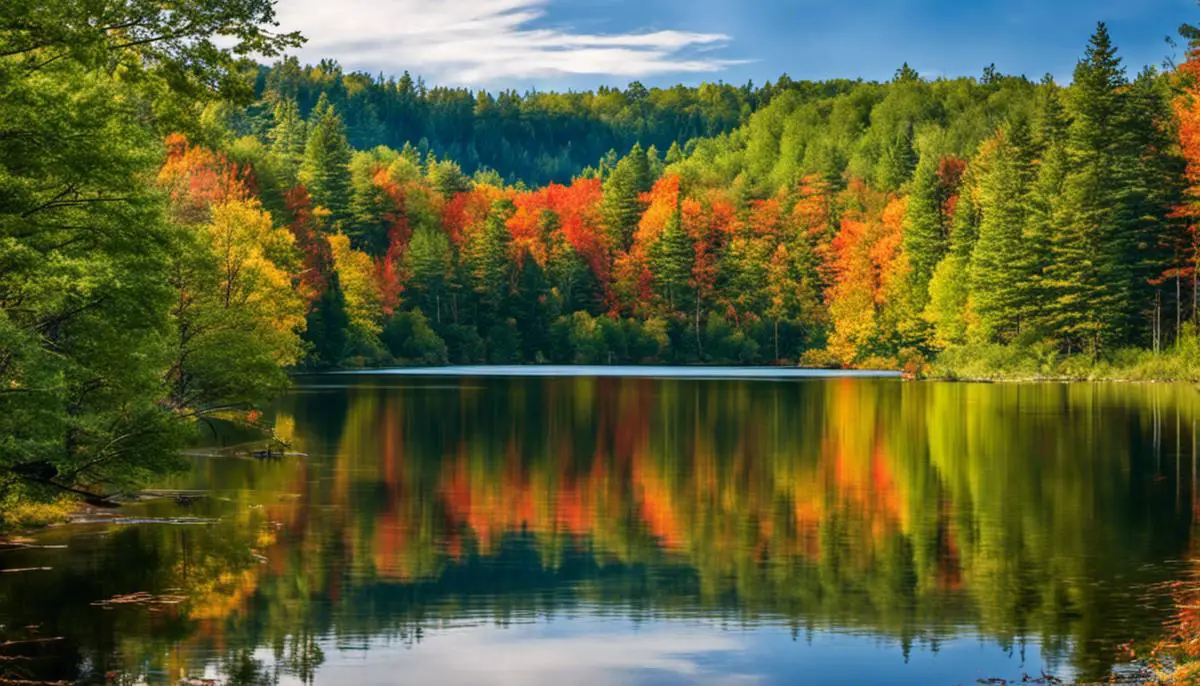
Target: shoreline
x,y
734,372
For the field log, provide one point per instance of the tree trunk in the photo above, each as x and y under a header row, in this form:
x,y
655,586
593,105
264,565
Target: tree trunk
x,y
777,340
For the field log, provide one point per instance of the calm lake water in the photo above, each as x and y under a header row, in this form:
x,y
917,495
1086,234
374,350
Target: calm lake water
x,y
478,529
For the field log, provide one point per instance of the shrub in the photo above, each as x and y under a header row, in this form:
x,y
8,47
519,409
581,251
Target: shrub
x,y
411,340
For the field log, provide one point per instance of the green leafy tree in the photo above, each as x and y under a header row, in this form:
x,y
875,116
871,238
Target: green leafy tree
x,y
86,251
326,326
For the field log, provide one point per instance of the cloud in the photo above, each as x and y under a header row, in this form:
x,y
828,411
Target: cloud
x,y
480,41
527,654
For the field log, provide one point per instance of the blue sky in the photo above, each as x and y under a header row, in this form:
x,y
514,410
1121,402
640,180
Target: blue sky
x,y
555,44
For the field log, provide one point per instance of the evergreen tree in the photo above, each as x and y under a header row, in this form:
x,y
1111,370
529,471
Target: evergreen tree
x,y
1153,188
373,210
674,154
572,281
898,160
926,234
531,309
1093,275
325,333
288,137
1040,232
489,264
446,177
623,204
428,264
671,260
1000,261
964,226
326,166
654,162
1050,122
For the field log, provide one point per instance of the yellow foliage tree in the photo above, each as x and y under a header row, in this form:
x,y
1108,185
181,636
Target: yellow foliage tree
x,y
356,274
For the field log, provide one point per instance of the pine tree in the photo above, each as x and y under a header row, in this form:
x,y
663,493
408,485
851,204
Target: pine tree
x,y
1000,261
1050,123
926,230
964,226
674,154
1154,187
623,204
1040,232
573,282
288,138
326,167
427,262
325,332
671,260
531,309
898,160
489,263
446,177
1096,255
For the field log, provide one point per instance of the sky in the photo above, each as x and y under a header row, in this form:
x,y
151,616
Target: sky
x,y
581,44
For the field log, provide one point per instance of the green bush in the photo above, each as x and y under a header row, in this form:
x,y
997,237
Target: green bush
x,y
504,343
464,344
411,340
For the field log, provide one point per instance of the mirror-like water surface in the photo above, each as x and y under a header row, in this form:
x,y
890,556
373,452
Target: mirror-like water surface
x,y
494,530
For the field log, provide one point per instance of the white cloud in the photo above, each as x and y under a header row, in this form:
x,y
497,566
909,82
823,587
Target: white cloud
x,y
524,655
479,41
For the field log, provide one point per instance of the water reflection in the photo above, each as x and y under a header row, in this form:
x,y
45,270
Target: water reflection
x,y
642,531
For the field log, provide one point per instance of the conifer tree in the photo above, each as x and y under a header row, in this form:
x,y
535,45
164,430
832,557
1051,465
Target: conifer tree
x,y
623,204
1000,259
288,138
671,260
326,166
674,154
898,160
1094,269
427,262
489,263
1049,135
926,230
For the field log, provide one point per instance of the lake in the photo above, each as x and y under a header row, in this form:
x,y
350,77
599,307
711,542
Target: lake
x,y
483,528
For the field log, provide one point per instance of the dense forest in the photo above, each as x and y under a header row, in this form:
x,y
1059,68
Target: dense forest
x,y
851,223
180,227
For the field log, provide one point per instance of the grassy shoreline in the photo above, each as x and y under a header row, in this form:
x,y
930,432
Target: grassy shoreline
x,y
1042,363
19,515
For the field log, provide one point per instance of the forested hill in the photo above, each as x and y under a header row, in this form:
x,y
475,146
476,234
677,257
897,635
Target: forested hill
x,y
534,137
850,223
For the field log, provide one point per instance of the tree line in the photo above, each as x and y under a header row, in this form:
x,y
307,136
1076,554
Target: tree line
x,y
535,137
860,224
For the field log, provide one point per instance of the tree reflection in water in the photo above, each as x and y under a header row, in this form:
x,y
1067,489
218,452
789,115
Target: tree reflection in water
x,y
916,513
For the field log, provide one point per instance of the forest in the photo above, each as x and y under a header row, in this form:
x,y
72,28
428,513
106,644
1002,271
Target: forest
x,y
182,227
846,224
